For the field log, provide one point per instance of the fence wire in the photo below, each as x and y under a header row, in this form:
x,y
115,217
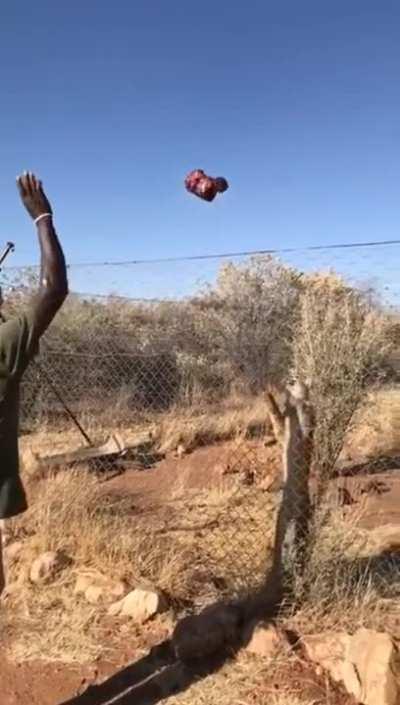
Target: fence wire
x,y
186,387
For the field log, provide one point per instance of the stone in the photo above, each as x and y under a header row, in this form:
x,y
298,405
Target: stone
x,y
140,605
199,636
263,640
97,588
30,462
378,666
180,451
367,663
47,566
83,582
330,651
94,594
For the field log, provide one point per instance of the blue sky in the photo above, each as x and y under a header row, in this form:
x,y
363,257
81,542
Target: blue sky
x,y
297,104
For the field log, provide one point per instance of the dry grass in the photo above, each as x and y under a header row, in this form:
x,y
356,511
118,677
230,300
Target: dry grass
x,y
191,540
181,547
375,429
236,417
251,681
185,547
47,624
70,514
345,586
188,542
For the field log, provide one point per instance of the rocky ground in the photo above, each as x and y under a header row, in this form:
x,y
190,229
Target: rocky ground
x,y
101,572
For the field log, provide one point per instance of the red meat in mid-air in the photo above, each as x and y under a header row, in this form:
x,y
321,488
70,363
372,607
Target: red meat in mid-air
x,y
203,186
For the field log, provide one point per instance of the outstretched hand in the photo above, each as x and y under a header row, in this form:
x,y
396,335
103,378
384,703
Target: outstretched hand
x,y
32,195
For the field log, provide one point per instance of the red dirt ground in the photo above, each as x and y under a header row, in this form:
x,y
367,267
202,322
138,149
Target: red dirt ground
x,y
56,684
41,683
205,468
375,496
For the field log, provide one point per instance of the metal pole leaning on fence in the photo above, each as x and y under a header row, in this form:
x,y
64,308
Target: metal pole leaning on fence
x,y
58,396
10,247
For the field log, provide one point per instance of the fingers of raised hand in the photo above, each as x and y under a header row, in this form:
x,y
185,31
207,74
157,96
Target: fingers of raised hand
x,y
29,184
22,185
34,182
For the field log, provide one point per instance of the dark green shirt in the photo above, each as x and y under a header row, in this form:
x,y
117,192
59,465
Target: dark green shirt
x,y
18,345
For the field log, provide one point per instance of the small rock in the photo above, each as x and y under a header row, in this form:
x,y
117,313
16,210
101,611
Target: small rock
x,y
378,666
140,605
118,590
83,582
368,664
47,566
14,550
263,640
330,651
98,588
98,593
30,462
180,451
94,594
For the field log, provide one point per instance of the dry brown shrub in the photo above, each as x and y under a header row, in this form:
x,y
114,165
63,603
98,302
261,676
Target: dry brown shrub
x,y
339,349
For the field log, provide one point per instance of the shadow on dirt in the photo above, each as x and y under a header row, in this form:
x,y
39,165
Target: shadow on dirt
x,y
372,466
201,645
148,681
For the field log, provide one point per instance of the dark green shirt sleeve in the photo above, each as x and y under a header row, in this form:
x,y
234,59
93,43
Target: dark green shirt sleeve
x,y
18,343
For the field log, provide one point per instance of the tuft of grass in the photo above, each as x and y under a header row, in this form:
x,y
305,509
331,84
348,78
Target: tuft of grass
x,y
47,624
345,586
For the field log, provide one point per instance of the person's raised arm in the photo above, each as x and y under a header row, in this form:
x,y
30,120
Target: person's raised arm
x,y
53,286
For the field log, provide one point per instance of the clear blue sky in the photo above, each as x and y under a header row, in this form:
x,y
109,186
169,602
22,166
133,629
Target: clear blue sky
x,y
296,103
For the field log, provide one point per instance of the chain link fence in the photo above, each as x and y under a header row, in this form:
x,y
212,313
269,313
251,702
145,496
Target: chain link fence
x,y
196,391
